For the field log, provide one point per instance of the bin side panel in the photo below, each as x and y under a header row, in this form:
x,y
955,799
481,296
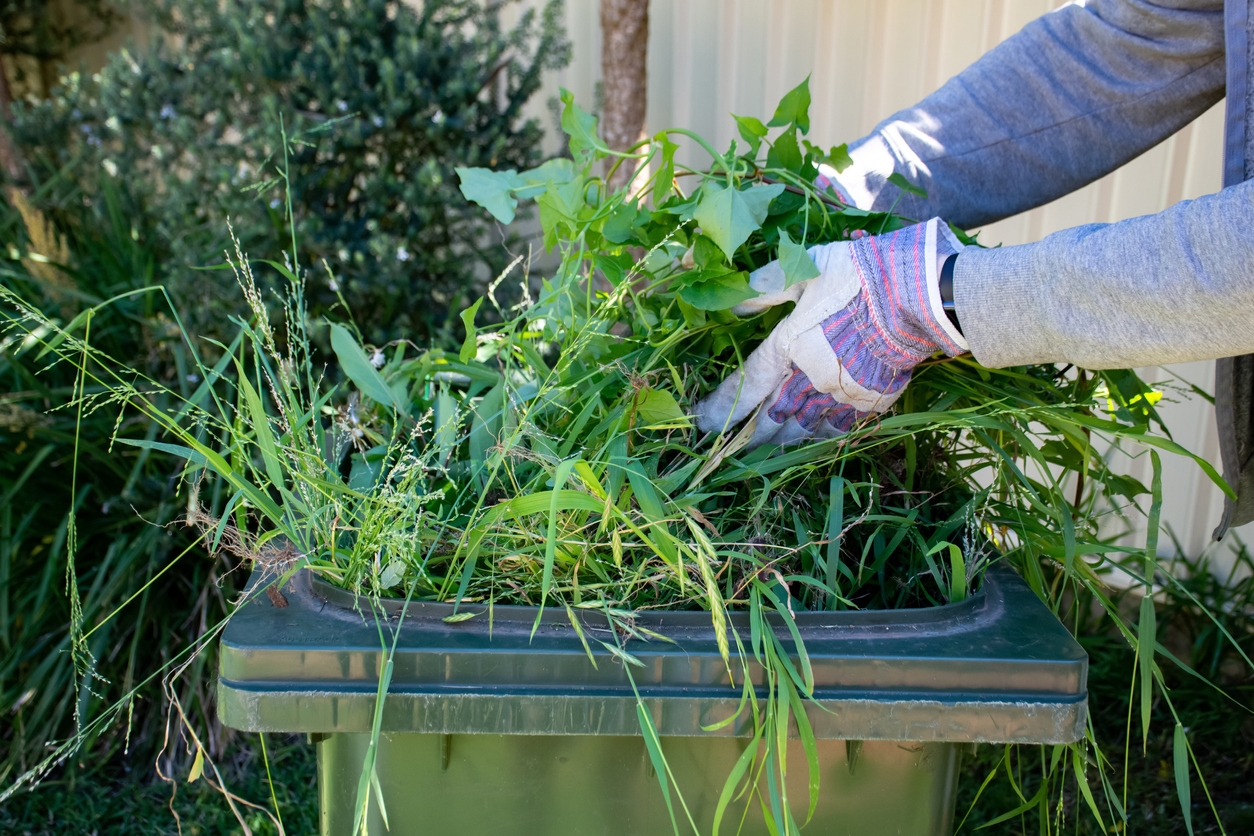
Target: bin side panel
x,y
589,786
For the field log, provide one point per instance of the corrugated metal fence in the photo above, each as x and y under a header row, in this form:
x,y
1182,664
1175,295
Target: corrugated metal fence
x,y
709,58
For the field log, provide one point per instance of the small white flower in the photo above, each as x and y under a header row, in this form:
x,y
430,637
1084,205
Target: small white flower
x,y
377,358
402,254
111,167
112,123
378,121
193,378
167,111
342,105
274,204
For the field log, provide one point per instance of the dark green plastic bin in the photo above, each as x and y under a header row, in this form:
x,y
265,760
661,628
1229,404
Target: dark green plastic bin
x,y
506,734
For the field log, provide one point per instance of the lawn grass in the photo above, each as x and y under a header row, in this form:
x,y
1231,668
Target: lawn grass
x,y
126,798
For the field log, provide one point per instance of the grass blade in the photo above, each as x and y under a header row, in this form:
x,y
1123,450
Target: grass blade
x,y
1180,757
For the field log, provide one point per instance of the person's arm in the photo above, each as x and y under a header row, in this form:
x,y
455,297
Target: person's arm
x,y
1164,288
1073,96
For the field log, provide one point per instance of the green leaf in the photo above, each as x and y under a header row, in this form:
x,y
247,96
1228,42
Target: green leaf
x,y
958,569
391,574
794,108
491,190
486,426
666,169
785,152
795,261
1180,759
261,426
468,319
905,185
579,125
730,216
707,255
1083,782
550,540
459,618
838,158
560,205
719,294
358,369
654,747
623,222
657,406
752,131
733,779
1146,633
557,170
173,449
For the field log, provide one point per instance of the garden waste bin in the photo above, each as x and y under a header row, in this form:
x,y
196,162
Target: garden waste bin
x,y
488,729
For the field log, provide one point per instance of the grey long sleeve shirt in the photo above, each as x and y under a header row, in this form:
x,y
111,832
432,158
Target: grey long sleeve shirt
x,y
1071,97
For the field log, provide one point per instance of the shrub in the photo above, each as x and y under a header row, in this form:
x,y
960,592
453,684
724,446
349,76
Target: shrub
x,y
384,98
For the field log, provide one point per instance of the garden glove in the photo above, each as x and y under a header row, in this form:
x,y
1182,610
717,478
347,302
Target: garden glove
x,y
848,347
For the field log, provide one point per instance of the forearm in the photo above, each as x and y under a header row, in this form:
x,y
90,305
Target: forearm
x,y
1165,288
1072,96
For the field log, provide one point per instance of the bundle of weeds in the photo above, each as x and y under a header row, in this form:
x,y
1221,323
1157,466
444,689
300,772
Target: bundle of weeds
x,y
553,461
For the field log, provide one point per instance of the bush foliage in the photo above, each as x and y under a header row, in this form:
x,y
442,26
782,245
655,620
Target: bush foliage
x,y
385,99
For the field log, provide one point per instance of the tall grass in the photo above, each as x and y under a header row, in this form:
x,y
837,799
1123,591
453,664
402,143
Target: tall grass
x,y
56,466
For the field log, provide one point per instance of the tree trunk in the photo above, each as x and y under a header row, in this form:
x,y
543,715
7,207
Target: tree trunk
x,y
624,77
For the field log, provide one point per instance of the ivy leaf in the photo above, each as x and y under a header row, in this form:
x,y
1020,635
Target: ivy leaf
x,y
720,293
785,152
752,131
796,262
579,125
730,216
838,158
656,406
794,108
468,319
491,190
905,185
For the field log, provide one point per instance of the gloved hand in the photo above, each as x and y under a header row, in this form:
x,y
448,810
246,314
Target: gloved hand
x,y
850,344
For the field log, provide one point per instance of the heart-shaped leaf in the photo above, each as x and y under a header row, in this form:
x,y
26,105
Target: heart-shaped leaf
x,y
730,216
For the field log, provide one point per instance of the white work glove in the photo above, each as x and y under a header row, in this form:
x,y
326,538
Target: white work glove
x,y
850,344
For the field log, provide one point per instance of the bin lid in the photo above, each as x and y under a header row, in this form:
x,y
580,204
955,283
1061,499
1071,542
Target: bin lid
x,y
998,667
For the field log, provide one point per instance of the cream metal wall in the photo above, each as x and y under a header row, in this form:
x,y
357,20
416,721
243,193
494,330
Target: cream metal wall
x,y
866,59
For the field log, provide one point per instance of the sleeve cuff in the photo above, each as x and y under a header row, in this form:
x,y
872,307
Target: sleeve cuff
x,y
940,241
